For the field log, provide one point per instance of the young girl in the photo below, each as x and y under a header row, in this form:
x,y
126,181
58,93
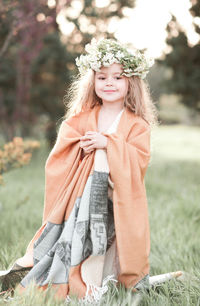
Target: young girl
x,y
95,222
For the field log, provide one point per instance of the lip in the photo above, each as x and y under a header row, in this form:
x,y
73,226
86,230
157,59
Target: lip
x,y
109,90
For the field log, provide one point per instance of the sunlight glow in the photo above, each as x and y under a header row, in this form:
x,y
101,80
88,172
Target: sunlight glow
x,y
65,26
40,17
144,26
51,3
102,3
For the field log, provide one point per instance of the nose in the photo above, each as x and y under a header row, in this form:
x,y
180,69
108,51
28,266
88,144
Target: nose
x,y
109,81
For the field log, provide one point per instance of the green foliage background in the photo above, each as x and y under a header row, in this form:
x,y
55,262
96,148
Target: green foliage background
x,y
184,61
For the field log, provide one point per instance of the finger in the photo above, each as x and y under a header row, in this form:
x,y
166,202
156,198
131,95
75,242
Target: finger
x,y
87,134
83,138
82,143
85,144
91,147
87,138
89,151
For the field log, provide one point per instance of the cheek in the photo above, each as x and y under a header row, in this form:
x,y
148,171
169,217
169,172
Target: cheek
x,y
97,85
125,88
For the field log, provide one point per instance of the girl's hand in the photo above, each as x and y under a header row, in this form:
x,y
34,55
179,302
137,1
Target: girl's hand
x,y
93,140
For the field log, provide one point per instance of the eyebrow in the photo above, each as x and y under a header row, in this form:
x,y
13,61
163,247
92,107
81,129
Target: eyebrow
x,y
106,73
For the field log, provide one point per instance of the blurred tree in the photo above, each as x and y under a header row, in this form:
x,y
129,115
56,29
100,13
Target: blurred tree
x,y
50,77
37,57
184,62
155,80
24,25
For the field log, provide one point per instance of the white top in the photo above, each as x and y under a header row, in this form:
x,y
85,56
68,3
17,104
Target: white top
x,y
100,159
114,125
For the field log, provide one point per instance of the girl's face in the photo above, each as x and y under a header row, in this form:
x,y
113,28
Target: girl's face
x,y
110,86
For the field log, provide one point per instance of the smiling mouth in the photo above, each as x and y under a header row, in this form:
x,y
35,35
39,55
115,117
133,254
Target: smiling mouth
x,y
109,90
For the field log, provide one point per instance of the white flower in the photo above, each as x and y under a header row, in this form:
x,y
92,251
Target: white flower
x,y
113,60
83,69
128,70
108,57
150,61
95,65
119,55
136,62
92,47
92,58
106,64
132,51
140,68
143,75
78,62
98,55
109,48
136,73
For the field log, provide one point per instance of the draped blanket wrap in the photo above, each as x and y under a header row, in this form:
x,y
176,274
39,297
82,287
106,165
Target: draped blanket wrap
x,y
81,223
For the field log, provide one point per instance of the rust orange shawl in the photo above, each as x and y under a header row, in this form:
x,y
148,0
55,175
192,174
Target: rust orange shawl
x,y
128,154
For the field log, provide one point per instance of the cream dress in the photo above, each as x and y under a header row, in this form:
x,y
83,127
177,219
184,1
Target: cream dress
x,y
98,269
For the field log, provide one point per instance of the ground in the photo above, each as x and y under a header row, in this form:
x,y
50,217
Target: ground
x,y
172,184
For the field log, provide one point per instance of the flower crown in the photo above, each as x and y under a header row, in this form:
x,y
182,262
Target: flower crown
x,y
105,52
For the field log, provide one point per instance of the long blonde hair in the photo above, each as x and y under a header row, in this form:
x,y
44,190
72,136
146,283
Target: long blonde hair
x,y
81,96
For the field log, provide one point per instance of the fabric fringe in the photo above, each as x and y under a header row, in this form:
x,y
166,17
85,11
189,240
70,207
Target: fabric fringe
x,y
97,292
94,293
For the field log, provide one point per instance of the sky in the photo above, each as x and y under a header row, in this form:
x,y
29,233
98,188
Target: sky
x,y
144,26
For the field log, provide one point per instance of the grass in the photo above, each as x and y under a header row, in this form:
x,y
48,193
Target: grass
x,y
172,183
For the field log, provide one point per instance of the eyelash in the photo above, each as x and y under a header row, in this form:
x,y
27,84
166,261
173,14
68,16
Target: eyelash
x,y
102,78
